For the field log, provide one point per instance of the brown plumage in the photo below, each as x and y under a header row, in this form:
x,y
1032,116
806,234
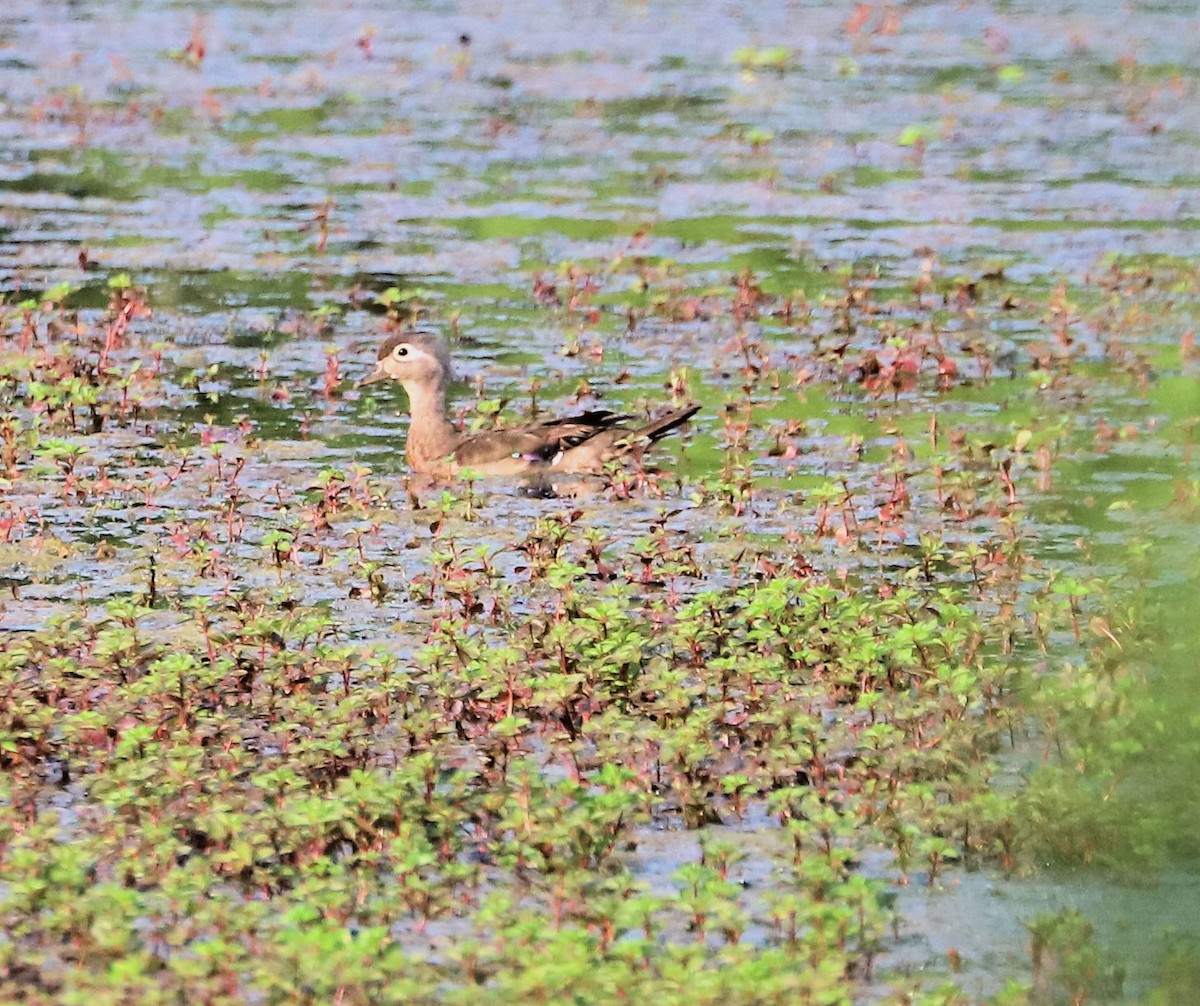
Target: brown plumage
x,y
577,444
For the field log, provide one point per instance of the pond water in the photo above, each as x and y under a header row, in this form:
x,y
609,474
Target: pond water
x,y
861,237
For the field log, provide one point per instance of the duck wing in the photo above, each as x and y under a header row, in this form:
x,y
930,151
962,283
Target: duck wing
x,y
592,454
536,443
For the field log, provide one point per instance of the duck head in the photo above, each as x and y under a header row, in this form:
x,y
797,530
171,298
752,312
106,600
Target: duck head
x,y
415,359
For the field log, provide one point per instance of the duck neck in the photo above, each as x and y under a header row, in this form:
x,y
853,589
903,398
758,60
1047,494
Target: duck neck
x,y
431,436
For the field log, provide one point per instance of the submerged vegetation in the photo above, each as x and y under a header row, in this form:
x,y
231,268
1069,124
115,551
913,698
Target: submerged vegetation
x,y
911,609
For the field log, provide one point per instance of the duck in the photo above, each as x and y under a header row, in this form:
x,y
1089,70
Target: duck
x,y
582,444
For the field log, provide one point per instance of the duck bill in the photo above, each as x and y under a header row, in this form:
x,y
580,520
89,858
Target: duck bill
x,y
379,374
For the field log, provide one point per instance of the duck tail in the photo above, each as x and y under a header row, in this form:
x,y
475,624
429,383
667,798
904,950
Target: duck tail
x,y
663,425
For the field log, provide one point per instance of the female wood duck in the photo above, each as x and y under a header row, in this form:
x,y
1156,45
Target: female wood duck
x,y
576,445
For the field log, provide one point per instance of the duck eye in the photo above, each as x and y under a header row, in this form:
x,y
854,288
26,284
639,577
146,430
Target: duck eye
x,y
400,351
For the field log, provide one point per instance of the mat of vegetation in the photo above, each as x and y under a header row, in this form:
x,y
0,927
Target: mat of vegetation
x,y
878,685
